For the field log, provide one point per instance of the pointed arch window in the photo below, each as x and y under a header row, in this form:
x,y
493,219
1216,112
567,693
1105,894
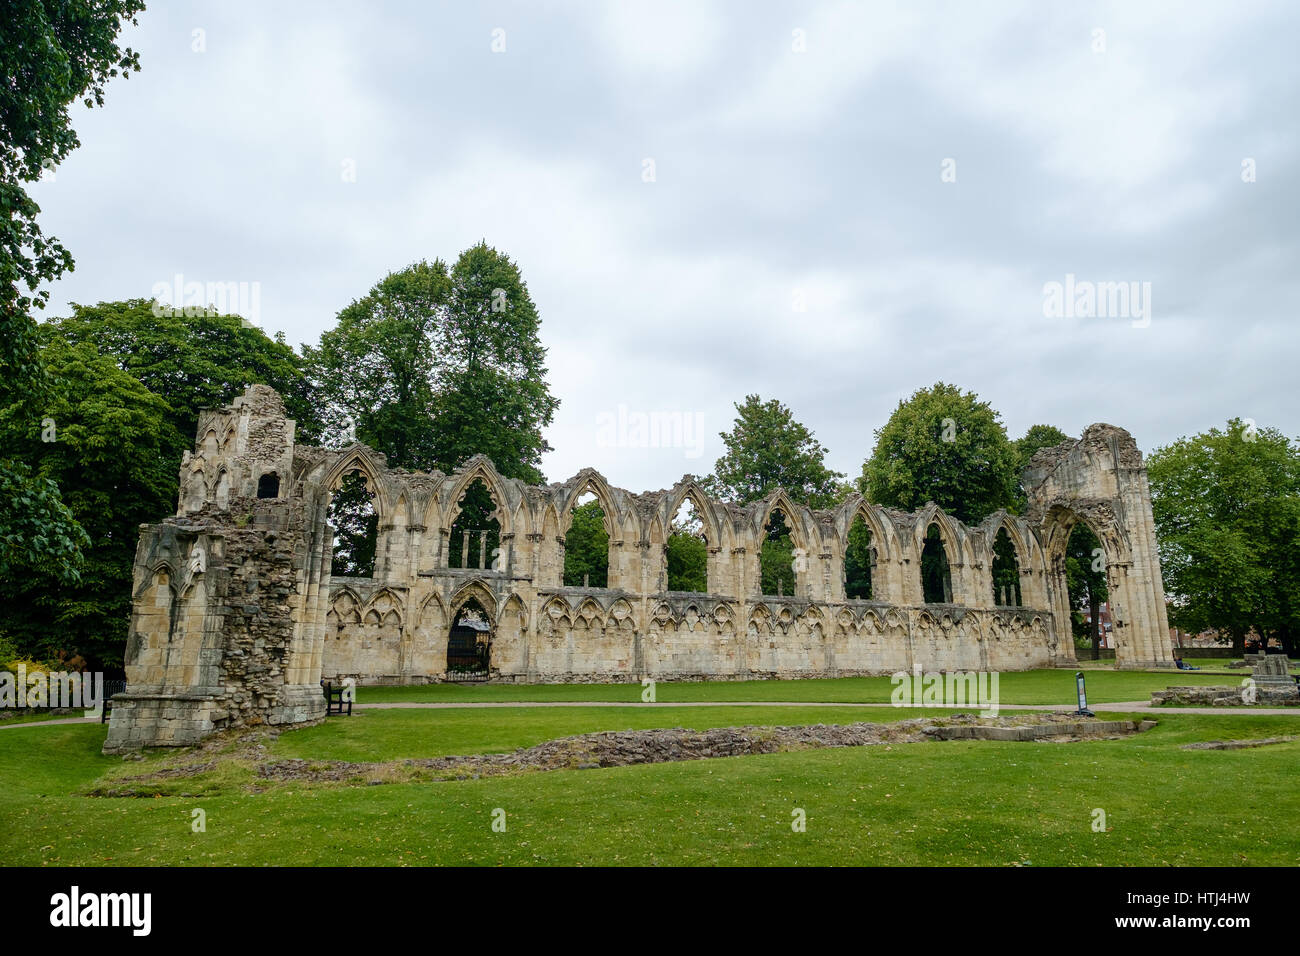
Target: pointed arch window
x,y
936,579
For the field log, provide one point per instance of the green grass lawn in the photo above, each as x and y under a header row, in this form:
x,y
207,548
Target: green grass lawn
x,y
1024,687
964,803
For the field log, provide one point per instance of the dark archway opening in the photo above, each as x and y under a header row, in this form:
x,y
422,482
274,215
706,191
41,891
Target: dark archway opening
x,y
1006,572
469,643
475,540
268,486
859,561
1085,577
936,581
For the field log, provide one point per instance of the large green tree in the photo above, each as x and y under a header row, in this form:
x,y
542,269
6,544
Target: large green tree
x,y
1226,505
106,445
124,388
51,54
767,449
946,446
192,362
434,365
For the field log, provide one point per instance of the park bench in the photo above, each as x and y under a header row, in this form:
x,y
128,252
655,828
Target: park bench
x,y
334,701
111,687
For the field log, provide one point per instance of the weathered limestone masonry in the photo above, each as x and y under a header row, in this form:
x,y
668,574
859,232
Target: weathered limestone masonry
x,y
237,618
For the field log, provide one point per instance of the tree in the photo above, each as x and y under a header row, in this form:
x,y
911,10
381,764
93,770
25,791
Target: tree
x,y
1085,579
687,558
586,548
124,390
356,527
51,54
434,365
859,559
945,446
1226,506
193,362
106,446
767,449
378,370
495,399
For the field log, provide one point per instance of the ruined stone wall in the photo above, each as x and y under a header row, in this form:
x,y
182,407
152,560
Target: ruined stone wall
x,y
1100,480
250,636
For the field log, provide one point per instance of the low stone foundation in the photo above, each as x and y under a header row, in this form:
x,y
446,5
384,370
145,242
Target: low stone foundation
x,y
1225,695
161,720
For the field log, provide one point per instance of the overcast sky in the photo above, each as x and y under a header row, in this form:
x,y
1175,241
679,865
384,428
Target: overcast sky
x,y
802,237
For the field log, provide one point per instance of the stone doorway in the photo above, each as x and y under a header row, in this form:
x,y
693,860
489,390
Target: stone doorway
x,y
469,644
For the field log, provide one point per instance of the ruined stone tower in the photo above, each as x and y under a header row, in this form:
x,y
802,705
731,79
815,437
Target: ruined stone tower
x,y
225,592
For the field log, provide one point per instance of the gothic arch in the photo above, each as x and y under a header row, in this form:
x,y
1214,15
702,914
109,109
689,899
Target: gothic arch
x,y
479,469
359,458
432,613
954,542
779,500
591,480
883,536
478,590
1099,519
1026,552
394,602
689,489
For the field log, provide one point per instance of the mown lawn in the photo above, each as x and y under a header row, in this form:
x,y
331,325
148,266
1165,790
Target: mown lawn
x,y
959,803
1023,687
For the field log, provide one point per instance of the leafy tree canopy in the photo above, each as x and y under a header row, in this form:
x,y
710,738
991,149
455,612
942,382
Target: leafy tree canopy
x,y
192,362
946,446
1226,505
105,444
51,54
767,449
435,365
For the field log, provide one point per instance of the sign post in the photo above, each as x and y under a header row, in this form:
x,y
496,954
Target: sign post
x,y
1083,710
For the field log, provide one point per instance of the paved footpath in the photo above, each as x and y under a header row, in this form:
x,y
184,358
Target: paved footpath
x,y
1124,706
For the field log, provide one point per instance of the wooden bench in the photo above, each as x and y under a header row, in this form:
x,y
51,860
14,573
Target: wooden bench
x,y
334,701
111,687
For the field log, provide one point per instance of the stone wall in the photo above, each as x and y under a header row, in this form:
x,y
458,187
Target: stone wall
x,y
248,635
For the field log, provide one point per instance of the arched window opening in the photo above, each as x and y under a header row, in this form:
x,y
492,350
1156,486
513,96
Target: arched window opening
x,y
469,644
1006,571
476,533
936,582
586,546
859,561
268,486
356,527
686,552
779,556
1085,577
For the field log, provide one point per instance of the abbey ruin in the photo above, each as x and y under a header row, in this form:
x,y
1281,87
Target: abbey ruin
x,y
237,617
